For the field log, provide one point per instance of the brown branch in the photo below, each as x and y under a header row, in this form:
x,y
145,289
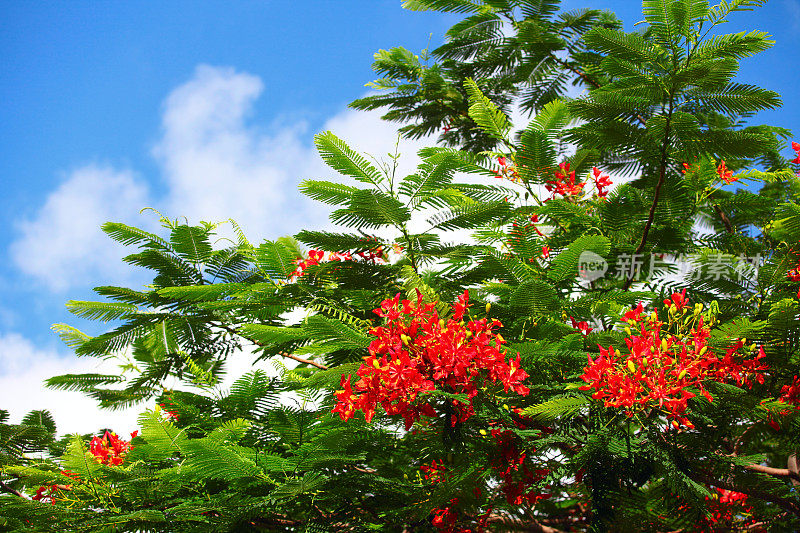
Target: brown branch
x,y
656,193
282,354
725,220
523,525
777,472
6,488
794,468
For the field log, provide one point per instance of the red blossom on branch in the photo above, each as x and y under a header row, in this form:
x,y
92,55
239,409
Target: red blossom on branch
x,y
665,364
791,393
725,174
583,327
565,183
110,449
416,352
315,257
46,493
601,182
519,479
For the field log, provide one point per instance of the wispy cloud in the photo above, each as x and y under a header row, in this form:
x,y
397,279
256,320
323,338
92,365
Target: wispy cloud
x,y
23,369
215,162
62,246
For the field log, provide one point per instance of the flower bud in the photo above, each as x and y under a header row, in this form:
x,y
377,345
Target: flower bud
x,y
505,406
703,350
664,346
631,367
628,330
375,363
644,361
483,432
488,307
698,308
682,374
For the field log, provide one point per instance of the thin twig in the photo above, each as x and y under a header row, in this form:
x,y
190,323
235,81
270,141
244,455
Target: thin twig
x,y
282,354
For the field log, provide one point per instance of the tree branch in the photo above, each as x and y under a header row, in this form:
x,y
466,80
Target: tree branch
x,y
657,192
6,488
725,220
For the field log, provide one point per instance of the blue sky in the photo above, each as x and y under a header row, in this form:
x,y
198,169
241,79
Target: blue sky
x,y
114,106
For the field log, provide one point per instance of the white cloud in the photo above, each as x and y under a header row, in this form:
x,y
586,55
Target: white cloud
x,y
218,166
63,246
23,369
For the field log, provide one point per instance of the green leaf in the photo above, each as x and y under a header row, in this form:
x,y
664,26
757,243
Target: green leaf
x,y
345,160
566,262
485,113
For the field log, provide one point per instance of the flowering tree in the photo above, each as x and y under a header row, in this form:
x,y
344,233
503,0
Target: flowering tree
x,y
614,347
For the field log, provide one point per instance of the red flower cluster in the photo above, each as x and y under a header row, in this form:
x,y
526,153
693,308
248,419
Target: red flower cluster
x,y
436,472
664,362
416,352
791,393
507,171
518,480
110,449
316,257
601,182
445,518
729,508
46,493
565,183
796,148
725,174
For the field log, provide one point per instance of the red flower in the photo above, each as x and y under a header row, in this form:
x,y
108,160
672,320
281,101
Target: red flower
x,y
678,300
519,479
796,148
436,472
791,393
583,327
110,449
545,251
46,493
662,366
601,182
565,183
725,174
415,352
